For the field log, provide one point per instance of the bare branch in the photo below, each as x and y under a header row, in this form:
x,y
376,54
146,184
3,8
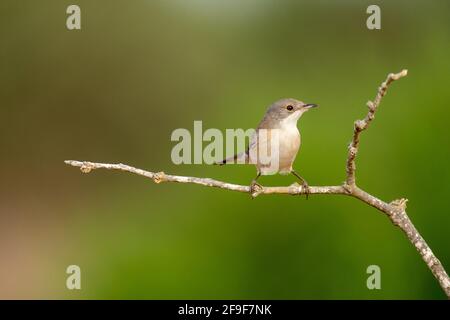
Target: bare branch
x,y
361,125
395,210
159,177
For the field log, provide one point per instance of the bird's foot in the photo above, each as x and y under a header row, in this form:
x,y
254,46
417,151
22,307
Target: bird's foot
x,y
255,189
305,189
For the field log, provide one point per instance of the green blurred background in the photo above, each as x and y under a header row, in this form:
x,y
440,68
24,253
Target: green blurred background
x,y
115,90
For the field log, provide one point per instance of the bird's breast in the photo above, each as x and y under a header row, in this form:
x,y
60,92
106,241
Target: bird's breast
x,y
289,144
281,145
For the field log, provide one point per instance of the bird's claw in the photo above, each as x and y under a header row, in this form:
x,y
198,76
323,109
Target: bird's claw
x,y
305,189
255,189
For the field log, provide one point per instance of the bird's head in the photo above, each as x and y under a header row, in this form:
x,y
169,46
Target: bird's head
x,y
288,110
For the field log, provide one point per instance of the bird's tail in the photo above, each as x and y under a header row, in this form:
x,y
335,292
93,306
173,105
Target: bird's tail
x,y
241,157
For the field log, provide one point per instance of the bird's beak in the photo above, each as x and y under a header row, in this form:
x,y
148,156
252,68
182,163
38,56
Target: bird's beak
x,y
310,105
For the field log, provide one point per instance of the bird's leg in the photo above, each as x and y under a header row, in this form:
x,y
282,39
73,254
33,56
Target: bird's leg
x,y
305,186
255,187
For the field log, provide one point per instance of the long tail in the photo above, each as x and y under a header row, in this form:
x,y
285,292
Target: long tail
x,y
241,157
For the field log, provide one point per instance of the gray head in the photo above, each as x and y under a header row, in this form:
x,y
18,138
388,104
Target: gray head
x,y
287,110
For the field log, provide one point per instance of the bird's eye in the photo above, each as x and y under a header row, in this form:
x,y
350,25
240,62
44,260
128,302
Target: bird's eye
x,y
290,108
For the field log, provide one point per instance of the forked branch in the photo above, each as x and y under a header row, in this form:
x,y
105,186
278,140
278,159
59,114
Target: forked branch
x,y
395,210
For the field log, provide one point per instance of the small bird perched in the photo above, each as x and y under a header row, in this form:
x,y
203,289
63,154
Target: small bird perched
x,y
277,135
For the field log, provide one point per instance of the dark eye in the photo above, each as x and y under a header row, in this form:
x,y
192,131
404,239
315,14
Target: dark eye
x,y
290,108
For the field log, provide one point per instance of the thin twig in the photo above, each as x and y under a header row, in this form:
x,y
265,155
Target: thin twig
x,y
361,125
395,210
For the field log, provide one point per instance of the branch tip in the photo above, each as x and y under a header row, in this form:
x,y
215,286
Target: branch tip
x,y
361,125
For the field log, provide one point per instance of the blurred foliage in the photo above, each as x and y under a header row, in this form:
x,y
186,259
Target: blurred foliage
x,y
115,90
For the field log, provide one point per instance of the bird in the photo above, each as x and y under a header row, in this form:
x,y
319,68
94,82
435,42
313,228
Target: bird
x,y
278,136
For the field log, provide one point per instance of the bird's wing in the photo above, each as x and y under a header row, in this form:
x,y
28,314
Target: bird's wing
x,y
262,144
257,136
243,157
240,158
260,139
